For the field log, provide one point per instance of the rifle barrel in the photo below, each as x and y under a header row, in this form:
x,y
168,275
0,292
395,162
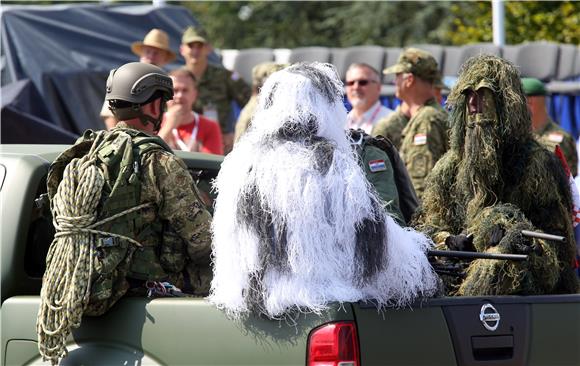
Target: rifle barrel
x,y
476,255
535,234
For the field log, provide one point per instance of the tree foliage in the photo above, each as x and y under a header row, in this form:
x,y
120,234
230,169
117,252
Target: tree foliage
x,y
557,21
245,24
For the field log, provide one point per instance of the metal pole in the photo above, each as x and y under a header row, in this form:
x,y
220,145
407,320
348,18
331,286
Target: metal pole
x,y
475,255
498,18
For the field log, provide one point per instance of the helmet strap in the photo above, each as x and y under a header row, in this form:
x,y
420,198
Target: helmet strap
x,y
135,111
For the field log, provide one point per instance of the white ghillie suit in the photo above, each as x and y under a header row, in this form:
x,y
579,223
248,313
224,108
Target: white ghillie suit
x,y
296,223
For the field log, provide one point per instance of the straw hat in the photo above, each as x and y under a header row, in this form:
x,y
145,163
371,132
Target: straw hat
x,y
155,38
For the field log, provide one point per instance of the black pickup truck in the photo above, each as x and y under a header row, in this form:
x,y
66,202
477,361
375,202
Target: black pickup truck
x,y
504,330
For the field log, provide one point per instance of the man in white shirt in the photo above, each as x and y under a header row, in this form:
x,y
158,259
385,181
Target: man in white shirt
x,y
363,89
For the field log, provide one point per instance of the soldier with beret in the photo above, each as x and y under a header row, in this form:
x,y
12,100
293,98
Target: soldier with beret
x,y
217,86
546,131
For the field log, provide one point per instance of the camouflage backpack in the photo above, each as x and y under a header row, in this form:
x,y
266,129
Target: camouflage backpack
x,y
408,201
118,155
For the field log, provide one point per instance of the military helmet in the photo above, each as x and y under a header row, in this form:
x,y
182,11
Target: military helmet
x,y
136,82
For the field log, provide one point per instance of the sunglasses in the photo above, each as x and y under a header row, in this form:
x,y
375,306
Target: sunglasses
x,y
362,82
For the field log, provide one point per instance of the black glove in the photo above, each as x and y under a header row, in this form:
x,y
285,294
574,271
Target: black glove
x,y
460,242
520,244
497,233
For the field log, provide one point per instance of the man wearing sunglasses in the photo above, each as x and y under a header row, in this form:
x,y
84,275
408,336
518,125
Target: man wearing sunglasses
x,y
363,88
424,139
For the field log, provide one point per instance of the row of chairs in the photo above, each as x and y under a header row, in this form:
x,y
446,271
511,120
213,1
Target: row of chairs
x,y
556,64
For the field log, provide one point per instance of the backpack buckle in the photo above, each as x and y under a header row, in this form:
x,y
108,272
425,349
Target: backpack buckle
x,y
109,241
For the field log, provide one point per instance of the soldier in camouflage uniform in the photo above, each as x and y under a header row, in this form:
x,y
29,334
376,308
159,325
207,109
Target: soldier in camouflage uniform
x,y
424,139
545,129
260,73
178,219
217,86
495,181
177,226
393,125
127,214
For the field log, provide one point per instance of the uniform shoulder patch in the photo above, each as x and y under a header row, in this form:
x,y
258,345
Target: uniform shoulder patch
x,y
556,137
420,139
377,166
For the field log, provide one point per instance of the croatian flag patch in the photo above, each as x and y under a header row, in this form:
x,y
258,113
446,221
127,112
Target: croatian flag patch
x,y
420,139
377,166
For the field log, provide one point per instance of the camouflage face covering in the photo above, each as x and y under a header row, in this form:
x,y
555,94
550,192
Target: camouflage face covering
x,y
481,107
502,79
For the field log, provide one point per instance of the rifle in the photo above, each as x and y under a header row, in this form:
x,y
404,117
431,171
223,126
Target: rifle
x,y
457,269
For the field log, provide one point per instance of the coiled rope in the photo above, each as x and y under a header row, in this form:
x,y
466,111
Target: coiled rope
x,y
66,285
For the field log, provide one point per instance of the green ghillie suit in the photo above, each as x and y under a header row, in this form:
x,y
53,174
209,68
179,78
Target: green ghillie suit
x,y
495,181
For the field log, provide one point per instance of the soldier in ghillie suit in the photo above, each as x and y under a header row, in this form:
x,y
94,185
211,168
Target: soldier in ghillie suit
x,y
494,182
296,223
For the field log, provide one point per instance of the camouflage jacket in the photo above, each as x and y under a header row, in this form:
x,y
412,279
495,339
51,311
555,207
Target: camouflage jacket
x,y
174,232
183,218
218,88
552,135
392,127
424,140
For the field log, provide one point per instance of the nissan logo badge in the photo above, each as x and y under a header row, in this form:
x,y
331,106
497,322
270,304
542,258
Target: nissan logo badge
x,y
489,317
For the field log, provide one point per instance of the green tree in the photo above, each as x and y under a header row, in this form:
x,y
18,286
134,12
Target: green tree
x,y
333,24
557,21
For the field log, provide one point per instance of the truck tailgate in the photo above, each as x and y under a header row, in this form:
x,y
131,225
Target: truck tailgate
x,y
170,331
475,331
409,336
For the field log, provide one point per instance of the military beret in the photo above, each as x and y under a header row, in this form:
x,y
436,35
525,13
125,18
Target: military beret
x,y
533,87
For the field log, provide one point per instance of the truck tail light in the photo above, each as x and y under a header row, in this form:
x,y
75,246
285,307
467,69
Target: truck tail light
x,y
333,344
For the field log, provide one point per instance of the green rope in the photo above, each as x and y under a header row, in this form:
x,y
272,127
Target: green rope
x,y
66,285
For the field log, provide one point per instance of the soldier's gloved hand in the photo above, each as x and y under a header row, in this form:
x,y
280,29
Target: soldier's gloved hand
x,y
497,233
520,244
460,242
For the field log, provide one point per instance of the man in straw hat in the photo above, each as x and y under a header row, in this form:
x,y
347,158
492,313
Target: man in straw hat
x,y
154,50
